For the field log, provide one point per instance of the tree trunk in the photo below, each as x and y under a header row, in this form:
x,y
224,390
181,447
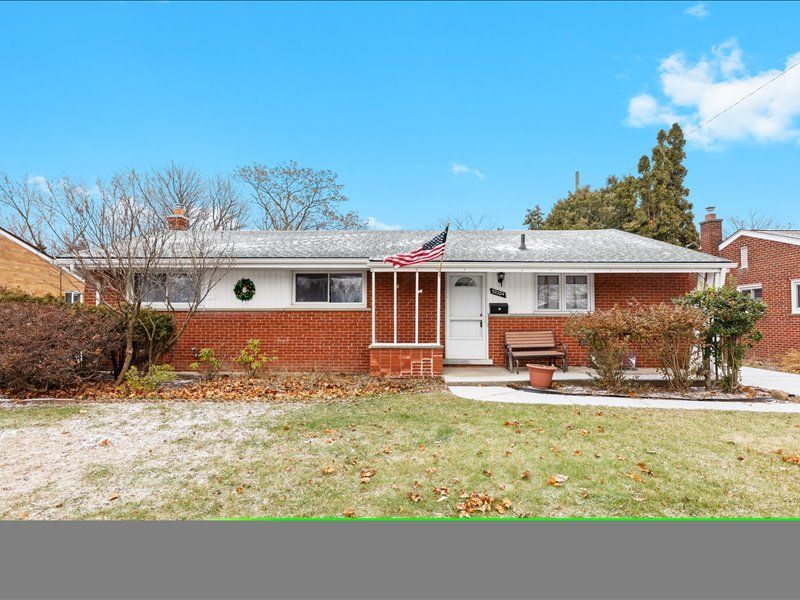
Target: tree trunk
x,y
126,364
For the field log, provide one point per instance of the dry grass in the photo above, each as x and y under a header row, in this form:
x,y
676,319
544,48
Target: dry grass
x,y
211,460
791,361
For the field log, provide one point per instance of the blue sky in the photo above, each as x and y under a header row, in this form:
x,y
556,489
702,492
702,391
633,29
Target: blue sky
x,y
426,111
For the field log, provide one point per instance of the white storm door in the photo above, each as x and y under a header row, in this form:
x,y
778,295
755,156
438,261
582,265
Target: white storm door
x,y
466,326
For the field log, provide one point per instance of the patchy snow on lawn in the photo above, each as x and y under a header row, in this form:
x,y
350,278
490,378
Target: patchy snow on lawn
x,y
120,452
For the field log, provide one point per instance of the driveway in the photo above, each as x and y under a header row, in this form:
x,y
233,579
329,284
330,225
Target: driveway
x,y
771,380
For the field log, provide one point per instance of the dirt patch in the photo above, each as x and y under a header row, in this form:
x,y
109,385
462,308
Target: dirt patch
x,y
123,452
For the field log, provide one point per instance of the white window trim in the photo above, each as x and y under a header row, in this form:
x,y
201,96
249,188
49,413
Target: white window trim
x,y
329,305
751,286
795,294
73,292
562,297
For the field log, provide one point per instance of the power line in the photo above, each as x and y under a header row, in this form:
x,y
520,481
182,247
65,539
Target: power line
x,y
739,101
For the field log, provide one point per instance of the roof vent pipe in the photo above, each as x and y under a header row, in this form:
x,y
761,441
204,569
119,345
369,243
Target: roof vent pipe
x,y
522,242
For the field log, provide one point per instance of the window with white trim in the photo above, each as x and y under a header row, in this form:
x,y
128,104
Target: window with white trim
x,y
796,296
72,297
329,288
743,257
754,291
180,288
563,293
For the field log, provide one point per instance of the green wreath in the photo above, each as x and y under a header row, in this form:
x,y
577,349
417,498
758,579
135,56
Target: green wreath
x,y
244,289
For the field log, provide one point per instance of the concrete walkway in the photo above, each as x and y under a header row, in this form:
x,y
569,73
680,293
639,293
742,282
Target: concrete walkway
x,y
510,395
771,380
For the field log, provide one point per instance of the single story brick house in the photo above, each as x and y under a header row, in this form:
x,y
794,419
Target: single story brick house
x,y
766,265
326,300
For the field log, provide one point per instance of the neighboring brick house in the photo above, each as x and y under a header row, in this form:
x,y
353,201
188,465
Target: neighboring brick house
x,y
326,300
768,268
25,267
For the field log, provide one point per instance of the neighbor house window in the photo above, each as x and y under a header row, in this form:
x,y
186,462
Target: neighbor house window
x,y
754,291
158,287
796,296
563,293
72,297
743,257
328,288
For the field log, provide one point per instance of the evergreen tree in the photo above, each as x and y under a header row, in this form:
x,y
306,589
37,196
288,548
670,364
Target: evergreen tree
x,y
655,204
535,218
664,211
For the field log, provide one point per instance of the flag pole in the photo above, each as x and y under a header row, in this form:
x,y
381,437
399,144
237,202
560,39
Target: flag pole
x,y
439,290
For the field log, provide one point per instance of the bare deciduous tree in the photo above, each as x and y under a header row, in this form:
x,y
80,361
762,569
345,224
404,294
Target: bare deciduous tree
x,y
214,203
469,222
291,197
754,221
123,248
21,209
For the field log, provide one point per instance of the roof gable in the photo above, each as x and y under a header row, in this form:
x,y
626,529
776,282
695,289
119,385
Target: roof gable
x,y
785,236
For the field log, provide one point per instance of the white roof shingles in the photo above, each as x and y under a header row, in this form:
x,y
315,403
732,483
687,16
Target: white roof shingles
x,y
585,246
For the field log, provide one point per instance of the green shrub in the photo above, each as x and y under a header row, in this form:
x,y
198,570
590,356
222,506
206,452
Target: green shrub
x,y
150,381
252,359
731,319
208,363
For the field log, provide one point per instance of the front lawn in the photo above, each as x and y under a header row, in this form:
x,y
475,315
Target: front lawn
x,y
396,455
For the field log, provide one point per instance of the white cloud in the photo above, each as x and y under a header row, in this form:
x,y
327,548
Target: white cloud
x,y
373,223
699,10
39,181
693,92
462,169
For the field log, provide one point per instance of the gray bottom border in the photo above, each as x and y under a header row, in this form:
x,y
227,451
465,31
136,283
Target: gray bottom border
x,y
402,559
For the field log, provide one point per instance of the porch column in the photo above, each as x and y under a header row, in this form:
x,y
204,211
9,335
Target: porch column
x,y
373,307
416,307
438,307
394,307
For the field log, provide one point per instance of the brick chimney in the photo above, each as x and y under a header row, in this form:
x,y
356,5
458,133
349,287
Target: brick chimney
x,y
177,221
710,232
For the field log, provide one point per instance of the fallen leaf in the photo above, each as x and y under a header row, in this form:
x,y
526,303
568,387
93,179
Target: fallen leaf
x,y
557,480
791,459
59,505
584,494
328,470
104,442
577,452
508,453
600,429
584,432
114,497
442,492
643,468
525,475
488,472
634,476
387,450
349,513
367,474
414,497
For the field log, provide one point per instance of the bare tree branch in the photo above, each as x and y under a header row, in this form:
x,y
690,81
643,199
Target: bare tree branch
x,y
22,210
119,242
755,220
291,197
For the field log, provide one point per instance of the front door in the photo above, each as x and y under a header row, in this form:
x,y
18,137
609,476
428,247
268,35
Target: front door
x,y
466,326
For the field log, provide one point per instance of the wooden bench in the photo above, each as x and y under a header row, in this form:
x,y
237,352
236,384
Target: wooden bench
x,y
533,344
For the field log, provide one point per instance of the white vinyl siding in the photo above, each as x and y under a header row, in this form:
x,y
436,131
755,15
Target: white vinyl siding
x,y
521,293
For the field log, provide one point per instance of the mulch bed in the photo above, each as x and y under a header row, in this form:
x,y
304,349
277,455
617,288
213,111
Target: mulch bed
x,y
649,390
273,387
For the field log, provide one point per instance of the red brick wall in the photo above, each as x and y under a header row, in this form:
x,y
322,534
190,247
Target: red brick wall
x,y
406,362
773,265
335,340
609,289
339,340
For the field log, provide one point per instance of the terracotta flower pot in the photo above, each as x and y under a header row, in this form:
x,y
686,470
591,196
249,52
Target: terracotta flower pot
x,y
541,375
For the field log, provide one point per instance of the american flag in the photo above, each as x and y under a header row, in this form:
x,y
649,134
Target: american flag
x,y
430,250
